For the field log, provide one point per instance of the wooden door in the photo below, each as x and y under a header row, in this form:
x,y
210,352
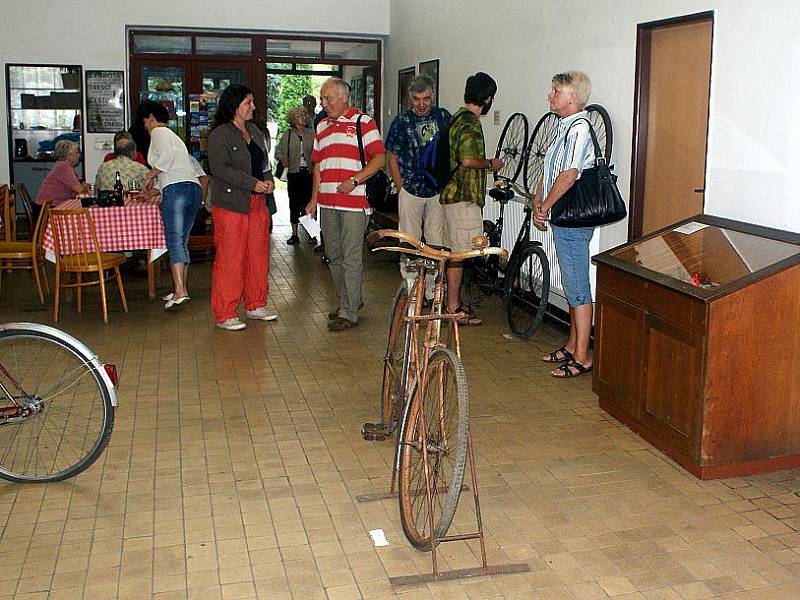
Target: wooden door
x,y
671,122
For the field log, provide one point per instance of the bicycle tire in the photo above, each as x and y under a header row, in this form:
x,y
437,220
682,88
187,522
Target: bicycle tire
x,y
511,147
525,296
75,418
392,391
541,139
601,123
443,392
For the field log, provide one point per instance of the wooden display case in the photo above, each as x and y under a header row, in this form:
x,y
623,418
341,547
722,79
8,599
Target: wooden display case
x,y
697,339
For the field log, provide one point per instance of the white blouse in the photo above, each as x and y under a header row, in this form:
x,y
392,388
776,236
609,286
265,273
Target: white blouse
x,y
169,155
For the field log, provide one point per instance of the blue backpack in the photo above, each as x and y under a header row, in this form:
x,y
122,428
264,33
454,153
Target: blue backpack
x,y
435,159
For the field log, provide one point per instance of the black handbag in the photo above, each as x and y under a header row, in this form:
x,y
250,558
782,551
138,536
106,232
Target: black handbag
x,y
594,199
378,185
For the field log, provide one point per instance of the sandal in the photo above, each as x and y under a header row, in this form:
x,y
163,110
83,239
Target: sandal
x,y
566,370
465,308
554,357
466,320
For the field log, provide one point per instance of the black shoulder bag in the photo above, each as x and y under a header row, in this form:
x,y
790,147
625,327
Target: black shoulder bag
x,y
594,199
377,184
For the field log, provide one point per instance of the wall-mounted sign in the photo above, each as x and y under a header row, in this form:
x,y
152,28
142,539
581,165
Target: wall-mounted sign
x,y
105,101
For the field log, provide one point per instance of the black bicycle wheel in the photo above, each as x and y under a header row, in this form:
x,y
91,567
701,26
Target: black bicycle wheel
x,y
601,123
541,139
443,401
392,393
527,288
69,411
511,147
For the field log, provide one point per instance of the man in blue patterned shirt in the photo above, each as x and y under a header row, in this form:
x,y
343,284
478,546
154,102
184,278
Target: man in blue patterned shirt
x,y
418,202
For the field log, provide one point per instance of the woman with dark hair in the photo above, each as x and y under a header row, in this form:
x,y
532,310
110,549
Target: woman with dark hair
x,y
137,129
180,194
240,180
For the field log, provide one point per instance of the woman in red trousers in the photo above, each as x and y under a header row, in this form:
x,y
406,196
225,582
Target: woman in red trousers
x,y
240,181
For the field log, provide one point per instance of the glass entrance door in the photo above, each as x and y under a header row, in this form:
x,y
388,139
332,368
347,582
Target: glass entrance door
x,y
203,105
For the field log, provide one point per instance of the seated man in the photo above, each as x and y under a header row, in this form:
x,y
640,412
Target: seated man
x,y
123,161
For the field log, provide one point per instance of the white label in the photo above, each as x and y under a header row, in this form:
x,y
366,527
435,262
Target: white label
x,y
378,537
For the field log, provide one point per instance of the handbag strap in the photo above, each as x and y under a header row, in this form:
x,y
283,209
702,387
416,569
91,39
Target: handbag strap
x,y
598,155
360,141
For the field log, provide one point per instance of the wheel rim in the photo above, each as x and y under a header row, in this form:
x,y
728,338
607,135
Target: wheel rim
x,y
601,124
393,363
71,423
526,296
445,437
541,139
511,147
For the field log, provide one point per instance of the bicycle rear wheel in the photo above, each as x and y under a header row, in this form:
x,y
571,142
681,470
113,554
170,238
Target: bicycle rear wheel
x,y
541,139
601,123
527,288
511,147
392,393
443,401
68,407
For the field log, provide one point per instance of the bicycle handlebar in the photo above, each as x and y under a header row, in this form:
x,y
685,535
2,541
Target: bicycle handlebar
x,y
421,249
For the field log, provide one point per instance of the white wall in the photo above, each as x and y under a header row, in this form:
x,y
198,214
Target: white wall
x,y
753,149
92,33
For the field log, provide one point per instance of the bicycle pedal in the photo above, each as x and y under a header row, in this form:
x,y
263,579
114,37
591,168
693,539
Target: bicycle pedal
x,y
374,432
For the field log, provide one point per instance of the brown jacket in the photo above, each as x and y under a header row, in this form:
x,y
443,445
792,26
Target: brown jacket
x,y
229,162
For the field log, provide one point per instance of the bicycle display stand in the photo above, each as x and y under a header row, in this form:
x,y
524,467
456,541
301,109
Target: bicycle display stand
x,y
436,575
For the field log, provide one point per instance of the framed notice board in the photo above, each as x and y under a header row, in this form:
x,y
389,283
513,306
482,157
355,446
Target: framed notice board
x,y
105,101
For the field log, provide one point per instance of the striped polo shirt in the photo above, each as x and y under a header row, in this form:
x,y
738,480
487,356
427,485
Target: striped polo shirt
x,y
572,149
336,153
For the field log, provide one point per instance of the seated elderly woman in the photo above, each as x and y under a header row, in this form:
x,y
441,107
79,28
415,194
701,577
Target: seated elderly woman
x,y
61,182
124,163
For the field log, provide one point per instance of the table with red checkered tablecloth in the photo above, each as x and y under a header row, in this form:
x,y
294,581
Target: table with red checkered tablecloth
x,y
135,226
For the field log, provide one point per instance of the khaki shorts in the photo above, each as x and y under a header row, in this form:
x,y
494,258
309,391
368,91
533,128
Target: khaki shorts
x,y
462,222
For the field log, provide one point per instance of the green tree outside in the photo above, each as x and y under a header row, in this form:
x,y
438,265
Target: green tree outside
x,y
292,90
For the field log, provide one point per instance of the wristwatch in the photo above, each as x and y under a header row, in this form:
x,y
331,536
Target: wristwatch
x,y
354,181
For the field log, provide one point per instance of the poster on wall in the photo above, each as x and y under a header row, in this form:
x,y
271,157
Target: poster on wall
x,y
404,77
105,101
431,69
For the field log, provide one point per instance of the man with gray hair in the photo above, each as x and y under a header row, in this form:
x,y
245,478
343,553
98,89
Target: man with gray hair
x,y
123,162
418,201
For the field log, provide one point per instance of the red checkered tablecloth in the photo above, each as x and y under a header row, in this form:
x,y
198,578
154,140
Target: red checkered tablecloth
x,y
131,227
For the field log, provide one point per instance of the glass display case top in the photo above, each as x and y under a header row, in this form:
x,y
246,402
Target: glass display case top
x,y
706,256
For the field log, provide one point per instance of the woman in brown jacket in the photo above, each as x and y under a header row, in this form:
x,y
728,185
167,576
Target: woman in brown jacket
x,y
240,180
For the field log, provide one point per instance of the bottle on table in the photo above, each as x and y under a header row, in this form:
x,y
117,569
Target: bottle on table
x,y
118,191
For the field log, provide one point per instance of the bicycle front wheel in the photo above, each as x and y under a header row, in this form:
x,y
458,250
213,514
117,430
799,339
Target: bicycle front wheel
x,y
527,287
541,139
392,393
511,147
443,402
67,408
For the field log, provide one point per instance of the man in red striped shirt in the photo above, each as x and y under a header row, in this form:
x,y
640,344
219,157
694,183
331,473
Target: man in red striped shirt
x,y
339,190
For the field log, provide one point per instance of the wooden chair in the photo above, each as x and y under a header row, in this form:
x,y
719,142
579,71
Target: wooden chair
x,y
23,198
8,214
27,255
77,251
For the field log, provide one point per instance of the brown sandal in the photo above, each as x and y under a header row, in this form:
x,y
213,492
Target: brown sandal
x,y
554,357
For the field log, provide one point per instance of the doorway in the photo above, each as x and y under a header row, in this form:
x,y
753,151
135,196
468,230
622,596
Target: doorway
x,y
673,75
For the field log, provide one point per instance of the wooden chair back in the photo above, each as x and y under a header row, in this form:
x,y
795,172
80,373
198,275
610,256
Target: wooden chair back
x,y
23,198
75,239
8,214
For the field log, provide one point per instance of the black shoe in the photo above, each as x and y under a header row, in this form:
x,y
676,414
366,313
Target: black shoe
x,y
312,241
293,240
325,260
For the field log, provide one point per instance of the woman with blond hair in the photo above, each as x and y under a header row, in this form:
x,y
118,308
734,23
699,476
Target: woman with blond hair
x,y
569,154
294,152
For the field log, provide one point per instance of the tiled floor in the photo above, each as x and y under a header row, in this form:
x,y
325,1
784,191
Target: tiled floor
x,y
236,458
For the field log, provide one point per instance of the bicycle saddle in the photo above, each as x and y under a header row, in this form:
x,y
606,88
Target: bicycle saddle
x,y
501,194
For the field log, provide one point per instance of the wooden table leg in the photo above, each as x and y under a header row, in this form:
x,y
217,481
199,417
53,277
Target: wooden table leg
x,y
151,283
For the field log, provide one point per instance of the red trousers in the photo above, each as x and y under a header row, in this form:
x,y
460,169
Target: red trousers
x,y
241,266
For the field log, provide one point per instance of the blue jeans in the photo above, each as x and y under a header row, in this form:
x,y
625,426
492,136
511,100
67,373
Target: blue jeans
x,y
179,205
572,248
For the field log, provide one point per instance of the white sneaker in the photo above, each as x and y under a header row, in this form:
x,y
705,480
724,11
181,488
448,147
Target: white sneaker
x,y
262,314
233,324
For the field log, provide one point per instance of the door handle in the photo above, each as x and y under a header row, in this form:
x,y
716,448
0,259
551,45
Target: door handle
x,y
700,191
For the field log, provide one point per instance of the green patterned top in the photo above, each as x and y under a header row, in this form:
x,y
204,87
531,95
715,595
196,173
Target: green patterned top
x,y
466,142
